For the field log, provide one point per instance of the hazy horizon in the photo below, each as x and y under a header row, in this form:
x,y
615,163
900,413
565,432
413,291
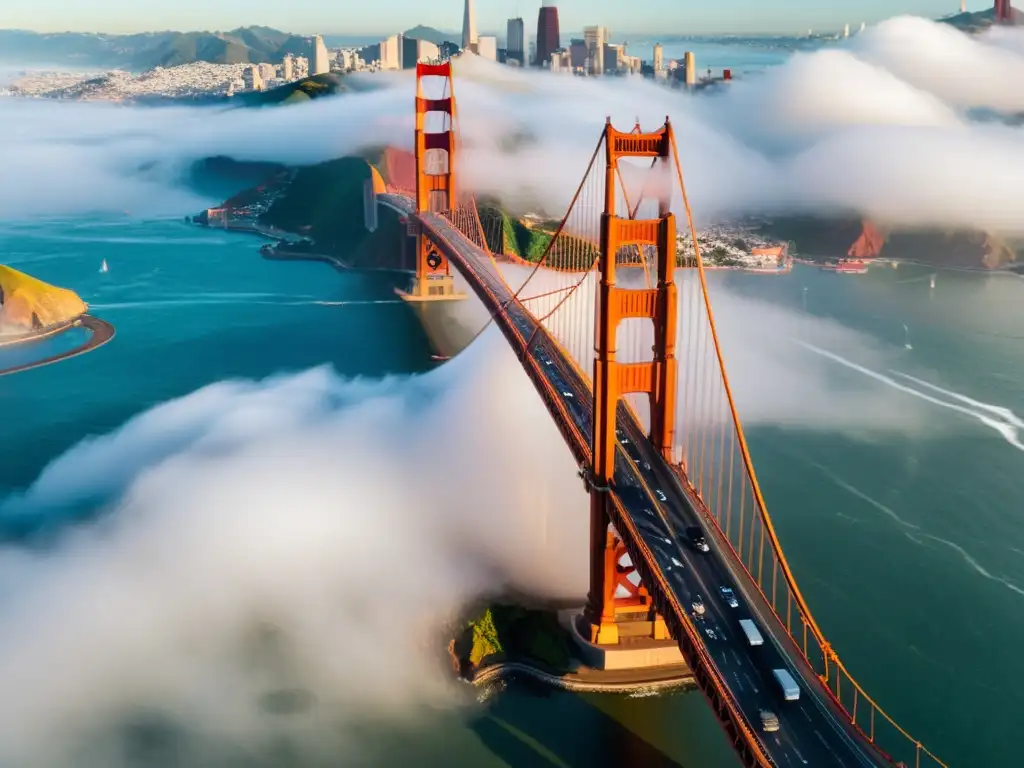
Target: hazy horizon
x,y
697,17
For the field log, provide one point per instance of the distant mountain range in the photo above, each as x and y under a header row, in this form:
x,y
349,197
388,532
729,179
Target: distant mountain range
x,y
431,35
144,51
150,49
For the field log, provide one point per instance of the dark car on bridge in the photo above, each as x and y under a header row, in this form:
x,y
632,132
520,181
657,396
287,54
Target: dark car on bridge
x,y
696,538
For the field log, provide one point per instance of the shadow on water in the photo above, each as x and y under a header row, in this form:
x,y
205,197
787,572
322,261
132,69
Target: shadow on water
x,y
545,731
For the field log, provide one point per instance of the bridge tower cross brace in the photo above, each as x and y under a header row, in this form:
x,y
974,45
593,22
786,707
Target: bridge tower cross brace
x,y
435,180
613,379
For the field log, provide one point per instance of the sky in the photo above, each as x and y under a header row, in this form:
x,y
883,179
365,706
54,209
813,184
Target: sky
x,y
334,17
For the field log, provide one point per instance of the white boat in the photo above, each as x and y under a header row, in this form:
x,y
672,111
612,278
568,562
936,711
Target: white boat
x,y
104,267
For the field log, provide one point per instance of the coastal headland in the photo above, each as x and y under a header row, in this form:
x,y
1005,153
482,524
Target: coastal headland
x,y
320,211
32,311
506,640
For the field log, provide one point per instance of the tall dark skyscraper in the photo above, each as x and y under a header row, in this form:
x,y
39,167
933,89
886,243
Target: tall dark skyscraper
x,y
547,34
516,40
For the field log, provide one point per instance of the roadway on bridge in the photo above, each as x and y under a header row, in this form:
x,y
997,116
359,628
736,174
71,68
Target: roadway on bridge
x,y
813,730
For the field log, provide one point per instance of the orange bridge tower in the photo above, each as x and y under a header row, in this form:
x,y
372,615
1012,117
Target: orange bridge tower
x,y
612,616
435,181
433,287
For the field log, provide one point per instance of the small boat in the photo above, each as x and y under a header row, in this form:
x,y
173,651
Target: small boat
x,y
931,283
103,267
906,337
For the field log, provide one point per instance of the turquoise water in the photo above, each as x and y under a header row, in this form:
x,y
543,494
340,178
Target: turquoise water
x,y
190,306
36,351
908,544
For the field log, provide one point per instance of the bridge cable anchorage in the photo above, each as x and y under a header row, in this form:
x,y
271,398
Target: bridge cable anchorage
x,y
554,325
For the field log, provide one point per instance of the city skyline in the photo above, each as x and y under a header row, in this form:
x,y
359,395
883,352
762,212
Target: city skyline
x,y
662,17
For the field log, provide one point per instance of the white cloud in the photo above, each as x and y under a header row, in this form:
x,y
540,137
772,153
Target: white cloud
x,y
353,518
879,126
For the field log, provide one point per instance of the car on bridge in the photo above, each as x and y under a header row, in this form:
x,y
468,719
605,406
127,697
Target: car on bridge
x,y
696,537
698,606
769,721
729,596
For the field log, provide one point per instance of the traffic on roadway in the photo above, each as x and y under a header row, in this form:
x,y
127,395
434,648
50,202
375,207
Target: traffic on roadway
x,y
780,696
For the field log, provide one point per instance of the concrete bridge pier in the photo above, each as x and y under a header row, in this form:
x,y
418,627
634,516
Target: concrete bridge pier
x,y
434,299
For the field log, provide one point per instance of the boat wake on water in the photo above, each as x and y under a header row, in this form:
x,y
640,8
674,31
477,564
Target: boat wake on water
x,y
1003,420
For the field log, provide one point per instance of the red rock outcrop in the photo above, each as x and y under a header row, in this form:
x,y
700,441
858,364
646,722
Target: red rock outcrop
x,y
870,243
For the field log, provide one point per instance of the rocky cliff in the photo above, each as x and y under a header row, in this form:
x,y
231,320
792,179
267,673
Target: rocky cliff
x,y
29,305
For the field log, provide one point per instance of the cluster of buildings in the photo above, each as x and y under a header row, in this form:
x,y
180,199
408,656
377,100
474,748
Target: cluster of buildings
x,y
259,77
592,55
197,79
737,246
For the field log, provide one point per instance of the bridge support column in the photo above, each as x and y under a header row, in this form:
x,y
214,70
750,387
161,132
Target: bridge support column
x,y
604,630
432,295
433,285
616,605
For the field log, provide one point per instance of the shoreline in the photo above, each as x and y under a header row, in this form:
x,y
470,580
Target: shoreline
x,y
42,335
102,332
507,670
924,264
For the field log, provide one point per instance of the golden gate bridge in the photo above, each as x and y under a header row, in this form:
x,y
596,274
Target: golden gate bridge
x,y
615,329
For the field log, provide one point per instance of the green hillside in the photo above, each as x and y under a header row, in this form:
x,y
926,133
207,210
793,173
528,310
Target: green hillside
x,y
324,202
969,21
513,237
306,89
511,633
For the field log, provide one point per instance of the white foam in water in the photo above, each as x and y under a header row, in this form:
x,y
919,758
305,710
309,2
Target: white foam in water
x,y
1008,425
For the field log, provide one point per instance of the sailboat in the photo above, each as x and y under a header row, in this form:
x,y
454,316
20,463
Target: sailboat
x,y
931,283
906,337
103,267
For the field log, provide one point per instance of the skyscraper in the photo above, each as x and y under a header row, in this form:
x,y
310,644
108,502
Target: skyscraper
x,y
547,34
689,69
596,37
469,36
318,61
487,47
659,57
515,39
